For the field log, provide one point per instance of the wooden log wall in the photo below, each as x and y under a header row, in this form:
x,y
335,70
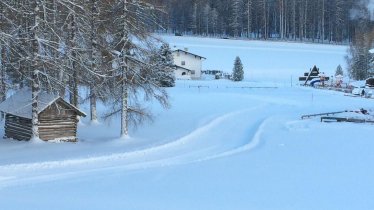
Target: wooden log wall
x,y
58,122
17,127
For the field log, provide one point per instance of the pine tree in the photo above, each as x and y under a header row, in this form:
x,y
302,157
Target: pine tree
x,y
193,19
163,63
238,73
248,17
339,71
359,59
214,20
234,18
207,18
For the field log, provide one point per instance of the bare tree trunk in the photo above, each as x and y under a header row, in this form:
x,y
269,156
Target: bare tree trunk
x,y
305,19
2,78
281,19
265,20
125,107
2,66
61,77
74,79
2,72
75,88
249,18
74,84
93,57
35,85
35,89
323,20
93,110
60,74
294,19
286,25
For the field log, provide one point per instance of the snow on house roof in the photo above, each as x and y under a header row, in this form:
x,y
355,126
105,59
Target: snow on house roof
x,y
179,50
19,104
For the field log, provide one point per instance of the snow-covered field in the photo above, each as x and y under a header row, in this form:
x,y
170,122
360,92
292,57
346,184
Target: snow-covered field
x,y
264,61
222,145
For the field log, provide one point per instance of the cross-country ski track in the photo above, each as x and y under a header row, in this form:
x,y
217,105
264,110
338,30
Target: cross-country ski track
x,y
199,145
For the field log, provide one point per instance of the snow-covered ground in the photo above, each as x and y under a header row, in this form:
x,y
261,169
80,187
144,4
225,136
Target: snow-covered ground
x,y
222,145
264,61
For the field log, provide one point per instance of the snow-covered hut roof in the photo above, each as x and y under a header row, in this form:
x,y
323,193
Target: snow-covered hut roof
x,y
179,50
19,104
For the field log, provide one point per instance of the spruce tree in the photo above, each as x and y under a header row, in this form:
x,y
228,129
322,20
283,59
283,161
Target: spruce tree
x,y
339,71
234,18
163,64
168,61
359,59
238,73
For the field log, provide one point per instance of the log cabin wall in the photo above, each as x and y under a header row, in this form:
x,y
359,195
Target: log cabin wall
x,y
18,128
58,121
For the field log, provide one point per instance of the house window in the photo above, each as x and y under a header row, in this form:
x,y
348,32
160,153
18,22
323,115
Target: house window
x,y
183,73
192,72
183,63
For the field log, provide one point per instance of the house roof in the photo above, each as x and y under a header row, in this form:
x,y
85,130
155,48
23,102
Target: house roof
x,y
179,50
180,67
19,104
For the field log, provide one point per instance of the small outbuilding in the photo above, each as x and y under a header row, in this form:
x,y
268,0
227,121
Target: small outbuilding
x,y
58,119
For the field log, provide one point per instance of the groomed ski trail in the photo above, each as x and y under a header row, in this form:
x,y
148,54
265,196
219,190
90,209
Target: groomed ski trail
x,y
242,133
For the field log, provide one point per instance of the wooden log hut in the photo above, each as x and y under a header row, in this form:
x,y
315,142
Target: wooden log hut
x,y
58,119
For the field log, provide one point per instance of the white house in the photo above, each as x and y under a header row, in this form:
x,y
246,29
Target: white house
x,y
188,65
182,73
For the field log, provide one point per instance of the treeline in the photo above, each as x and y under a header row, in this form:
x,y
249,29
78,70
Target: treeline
x,y
312,20
105,46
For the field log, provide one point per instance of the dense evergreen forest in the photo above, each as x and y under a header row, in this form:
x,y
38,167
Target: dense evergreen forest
x,y
332,21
